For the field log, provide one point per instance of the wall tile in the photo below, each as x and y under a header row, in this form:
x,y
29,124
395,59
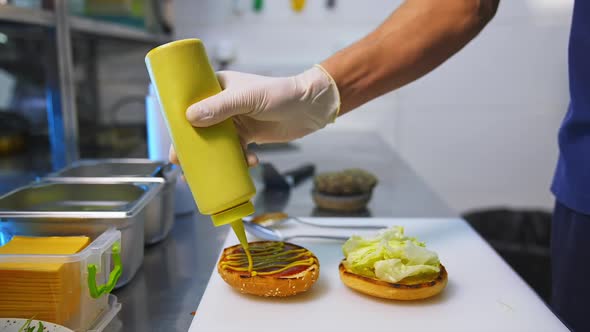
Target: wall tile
x,y
494,154
503,66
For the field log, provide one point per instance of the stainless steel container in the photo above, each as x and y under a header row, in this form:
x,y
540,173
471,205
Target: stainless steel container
x,y
160,218
84,208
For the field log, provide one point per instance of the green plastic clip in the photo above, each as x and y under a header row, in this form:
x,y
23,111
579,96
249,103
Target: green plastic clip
x,y
97,291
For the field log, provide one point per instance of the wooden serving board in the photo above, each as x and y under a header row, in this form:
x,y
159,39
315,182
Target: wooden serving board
x,y
483,294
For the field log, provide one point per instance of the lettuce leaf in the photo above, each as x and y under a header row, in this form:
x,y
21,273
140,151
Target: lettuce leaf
x,y
389,256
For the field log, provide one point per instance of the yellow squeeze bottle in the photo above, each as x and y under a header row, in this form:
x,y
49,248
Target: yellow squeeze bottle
x,y
212,159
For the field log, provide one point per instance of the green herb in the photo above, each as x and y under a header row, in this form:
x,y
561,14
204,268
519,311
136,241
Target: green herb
x,y
28,328
25,327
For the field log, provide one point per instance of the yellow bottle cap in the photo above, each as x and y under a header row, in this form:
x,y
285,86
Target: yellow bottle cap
x,y
233,214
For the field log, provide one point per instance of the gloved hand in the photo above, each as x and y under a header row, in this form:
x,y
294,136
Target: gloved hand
x,y
269,109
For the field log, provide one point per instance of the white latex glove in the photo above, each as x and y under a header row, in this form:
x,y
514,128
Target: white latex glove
x,y
269,109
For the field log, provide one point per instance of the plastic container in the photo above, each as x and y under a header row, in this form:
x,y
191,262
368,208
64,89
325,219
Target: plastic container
x,y
159,142
88,277
84,208
212,157
160,214
158,138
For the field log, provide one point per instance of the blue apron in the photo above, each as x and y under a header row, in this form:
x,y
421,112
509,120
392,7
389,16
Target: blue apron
x,y
570,241
571,184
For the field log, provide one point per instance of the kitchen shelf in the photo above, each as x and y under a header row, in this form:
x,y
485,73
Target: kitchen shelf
x,y
113,30
63,28
91,26
14,14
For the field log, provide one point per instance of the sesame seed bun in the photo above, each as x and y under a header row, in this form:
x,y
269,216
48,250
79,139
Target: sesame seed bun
x,y
405,290
285,283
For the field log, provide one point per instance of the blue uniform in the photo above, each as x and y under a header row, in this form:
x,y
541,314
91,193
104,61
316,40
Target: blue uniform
x,y
571,185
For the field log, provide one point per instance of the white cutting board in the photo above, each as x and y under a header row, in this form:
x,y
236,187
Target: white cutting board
x,y
483,294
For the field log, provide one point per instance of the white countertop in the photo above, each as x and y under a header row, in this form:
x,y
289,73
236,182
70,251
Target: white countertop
x,y
483,293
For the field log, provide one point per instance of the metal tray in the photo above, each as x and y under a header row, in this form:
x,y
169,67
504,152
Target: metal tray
x,y
84,208
158,223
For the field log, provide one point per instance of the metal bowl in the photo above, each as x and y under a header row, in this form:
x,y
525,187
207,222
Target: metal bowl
x,y
160,218
84,208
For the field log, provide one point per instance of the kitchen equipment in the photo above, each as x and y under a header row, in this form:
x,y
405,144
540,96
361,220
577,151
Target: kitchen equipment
x,y
14,133
297,5
483,294
27,3
67,298
276,219
158,139
273,180
258,5
271,234
155,16
212,157
84,208
160,215
17,324
159,143
274,200
277,187
127,12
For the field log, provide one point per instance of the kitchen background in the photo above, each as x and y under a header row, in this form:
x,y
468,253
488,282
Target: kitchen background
x,y
481,129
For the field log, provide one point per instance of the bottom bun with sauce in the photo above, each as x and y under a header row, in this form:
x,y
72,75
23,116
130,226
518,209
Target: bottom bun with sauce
x,y
279,268
392,266
403,290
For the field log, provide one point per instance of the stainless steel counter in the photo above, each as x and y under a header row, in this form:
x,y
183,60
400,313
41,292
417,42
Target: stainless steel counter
x,y
175,272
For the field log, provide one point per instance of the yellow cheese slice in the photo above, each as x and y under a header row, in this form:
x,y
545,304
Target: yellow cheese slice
x,y
50,245
47,245
48,291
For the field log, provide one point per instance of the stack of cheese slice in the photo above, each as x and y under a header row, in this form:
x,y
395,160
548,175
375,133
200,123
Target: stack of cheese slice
x,y
47,289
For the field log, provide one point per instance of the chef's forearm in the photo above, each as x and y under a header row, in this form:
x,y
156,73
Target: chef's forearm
x,y
415,39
